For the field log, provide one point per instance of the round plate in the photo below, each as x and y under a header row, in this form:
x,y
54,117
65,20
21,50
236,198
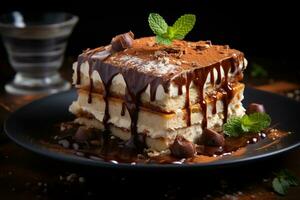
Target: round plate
x,y
28,125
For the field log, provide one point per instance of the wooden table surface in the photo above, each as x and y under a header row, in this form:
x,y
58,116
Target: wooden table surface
x,y
25,175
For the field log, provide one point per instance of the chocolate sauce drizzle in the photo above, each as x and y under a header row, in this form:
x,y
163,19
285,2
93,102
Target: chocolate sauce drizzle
x,y
153,88
189,77
200,80
123,109
136,84
91,82
107,73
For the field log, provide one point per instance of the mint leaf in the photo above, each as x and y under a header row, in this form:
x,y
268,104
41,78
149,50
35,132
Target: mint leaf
x,y
255,122
283,181
162,40
157,24
183,26
279,186
233,127
289,177
166,34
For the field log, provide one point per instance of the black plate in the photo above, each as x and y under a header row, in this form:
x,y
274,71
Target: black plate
x,y
31,122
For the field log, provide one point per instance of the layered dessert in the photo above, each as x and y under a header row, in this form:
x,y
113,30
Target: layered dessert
x,y
158,97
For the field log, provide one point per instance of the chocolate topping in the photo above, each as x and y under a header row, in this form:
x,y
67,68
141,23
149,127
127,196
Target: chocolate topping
x,y
182,148
150,68
122,41
255,107
107,73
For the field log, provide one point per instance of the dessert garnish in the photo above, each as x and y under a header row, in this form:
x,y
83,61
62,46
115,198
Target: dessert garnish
x,y
165,34
252,123
118,43
283,181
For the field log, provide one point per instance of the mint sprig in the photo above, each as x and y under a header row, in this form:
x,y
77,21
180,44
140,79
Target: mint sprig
x,y
254,123
233,127
166,34
157,24
283,181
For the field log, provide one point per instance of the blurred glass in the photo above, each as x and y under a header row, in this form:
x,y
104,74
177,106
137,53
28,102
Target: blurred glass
x,y
35,45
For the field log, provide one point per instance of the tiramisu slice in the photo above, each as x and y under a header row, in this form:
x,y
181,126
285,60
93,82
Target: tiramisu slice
x,y
156,96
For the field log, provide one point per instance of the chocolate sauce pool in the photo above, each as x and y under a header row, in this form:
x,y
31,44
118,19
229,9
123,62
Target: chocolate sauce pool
x,y
98,146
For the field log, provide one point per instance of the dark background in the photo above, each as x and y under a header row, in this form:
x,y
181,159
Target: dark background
x,y
265,32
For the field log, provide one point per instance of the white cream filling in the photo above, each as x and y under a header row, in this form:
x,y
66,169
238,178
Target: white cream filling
x,y
155,125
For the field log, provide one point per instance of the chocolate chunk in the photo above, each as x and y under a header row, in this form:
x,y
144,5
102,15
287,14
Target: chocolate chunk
x,y
212,138
255,107
82,134
122,41
182,148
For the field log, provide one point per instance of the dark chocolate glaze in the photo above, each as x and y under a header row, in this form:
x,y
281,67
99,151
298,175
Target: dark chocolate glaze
x,y
201,76
91,63
212,77
227,87
214,99
154,85
123,109
136,84
85,57
218,68
107,73
187,98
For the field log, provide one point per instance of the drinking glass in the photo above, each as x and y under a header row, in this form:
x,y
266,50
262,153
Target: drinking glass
x,y
35,44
